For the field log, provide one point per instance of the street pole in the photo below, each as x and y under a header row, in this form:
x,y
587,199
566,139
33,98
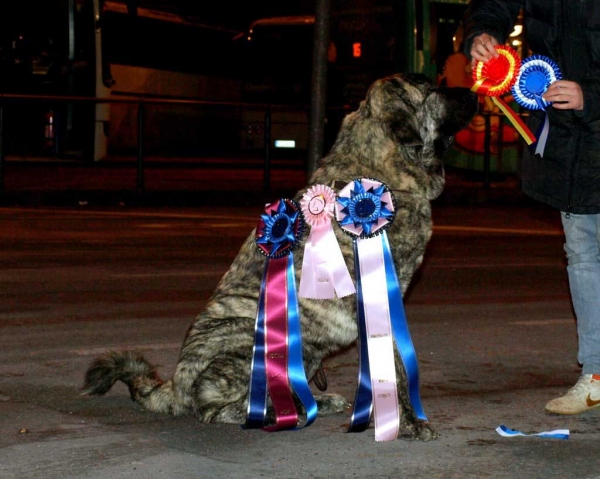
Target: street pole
x,y
318,95
1,147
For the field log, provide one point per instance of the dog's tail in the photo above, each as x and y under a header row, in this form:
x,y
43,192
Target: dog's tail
x,y
145,386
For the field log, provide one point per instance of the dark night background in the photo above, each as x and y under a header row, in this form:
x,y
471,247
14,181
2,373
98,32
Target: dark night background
x,y
234,15
49,47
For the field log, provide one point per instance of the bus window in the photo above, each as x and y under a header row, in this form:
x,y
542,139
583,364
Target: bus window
x,y
275,59
47,50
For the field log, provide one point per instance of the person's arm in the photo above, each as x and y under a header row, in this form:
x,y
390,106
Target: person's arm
x,y
583,99
487,23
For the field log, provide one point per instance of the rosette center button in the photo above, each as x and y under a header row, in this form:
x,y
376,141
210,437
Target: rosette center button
x,y
498,70
365,208
536,82
281,227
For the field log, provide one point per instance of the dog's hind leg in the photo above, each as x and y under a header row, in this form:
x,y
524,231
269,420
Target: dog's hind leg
x,y
220,392
411,427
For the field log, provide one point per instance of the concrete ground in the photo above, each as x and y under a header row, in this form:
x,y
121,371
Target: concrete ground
x,y
489,314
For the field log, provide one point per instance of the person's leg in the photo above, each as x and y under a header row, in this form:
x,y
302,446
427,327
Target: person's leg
x,y
582,245
582,234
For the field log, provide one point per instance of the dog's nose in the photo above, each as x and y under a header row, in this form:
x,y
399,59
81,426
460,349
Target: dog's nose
x,y
461,107
462,101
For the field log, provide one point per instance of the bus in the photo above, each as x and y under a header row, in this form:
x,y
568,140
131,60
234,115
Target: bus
x,y
106,49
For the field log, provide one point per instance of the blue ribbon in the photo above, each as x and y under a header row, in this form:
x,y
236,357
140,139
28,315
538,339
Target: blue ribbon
x,y
542,136
557,434
363,400
296,370
257,396
400,330
542,133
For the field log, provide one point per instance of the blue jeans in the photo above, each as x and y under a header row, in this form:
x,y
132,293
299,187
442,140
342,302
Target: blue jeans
x,y
582,234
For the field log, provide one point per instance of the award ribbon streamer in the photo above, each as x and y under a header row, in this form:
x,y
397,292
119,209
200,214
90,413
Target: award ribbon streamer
x,y
556,434
536,74
494,78
277,367
324,271
401,332
365,209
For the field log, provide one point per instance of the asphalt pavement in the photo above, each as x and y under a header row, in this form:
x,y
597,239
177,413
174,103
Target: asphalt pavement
x,y
91,266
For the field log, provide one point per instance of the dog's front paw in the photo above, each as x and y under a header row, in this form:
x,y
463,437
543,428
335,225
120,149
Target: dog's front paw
x,y
418,430
331,404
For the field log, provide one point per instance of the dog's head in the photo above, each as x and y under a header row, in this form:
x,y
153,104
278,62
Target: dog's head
x,y
399,134
419,114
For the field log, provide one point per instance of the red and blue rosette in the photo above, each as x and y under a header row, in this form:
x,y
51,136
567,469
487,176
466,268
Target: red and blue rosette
x,y
494,78
365,209
277,365
536,74
324,271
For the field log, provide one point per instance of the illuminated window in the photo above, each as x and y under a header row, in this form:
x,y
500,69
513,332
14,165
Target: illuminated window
x,y
356,50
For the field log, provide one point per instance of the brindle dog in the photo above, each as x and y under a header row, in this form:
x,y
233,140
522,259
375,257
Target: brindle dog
x,y
398,135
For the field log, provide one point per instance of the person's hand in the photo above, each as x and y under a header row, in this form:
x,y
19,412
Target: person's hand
x,y
482,49
564,95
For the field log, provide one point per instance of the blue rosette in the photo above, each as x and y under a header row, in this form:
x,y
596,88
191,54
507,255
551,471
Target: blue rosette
x,y
536,74
365,209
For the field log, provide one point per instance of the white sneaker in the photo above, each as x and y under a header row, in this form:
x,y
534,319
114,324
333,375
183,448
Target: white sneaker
x,y
585,395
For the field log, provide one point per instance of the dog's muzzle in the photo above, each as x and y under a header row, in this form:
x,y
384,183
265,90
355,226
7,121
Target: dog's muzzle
x,y
462,107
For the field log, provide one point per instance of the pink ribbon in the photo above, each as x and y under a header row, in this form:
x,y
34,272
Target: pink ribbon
x,y
324,271
276,352
380,341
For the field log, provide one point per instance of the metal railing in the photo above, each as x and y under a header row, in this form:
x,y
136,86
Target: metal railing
x,y
142,103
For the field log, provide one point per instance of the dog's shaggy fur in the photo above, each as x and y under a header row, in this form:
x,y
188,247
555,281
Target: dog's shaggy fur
x,y
398,136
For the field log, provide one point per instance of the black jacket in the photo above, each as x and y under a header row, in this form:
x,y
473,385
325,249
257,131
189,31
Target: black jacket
x,y
568,31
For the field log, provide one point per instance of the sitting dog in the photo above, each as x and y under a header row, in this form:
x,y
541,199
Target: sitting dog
x,y
398,136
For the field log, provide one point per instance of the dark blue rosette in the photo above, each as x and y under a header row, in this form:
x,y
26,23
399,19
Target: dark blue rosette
x,y
277,364
365,209
536,74
280,228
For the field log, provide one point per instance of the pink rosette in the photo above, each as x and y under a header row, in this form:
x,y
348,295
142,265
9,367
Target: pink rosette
x,y
324,271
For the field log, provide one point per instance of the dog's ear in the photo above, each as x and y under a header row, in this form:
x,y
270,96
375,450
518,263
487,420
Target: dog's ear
x,y
389,101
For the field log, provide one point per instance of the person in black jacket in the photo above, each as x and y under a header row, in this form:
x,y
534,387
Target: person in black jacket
x,y
567,175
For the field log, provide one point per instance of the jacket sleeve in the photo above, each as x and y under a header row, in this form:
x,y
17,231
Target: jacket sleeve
x,y
590,87
495,17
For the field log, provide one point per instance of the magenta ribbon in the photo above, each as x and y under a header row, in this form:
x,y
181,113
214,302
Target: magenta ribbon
x,y
276,351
